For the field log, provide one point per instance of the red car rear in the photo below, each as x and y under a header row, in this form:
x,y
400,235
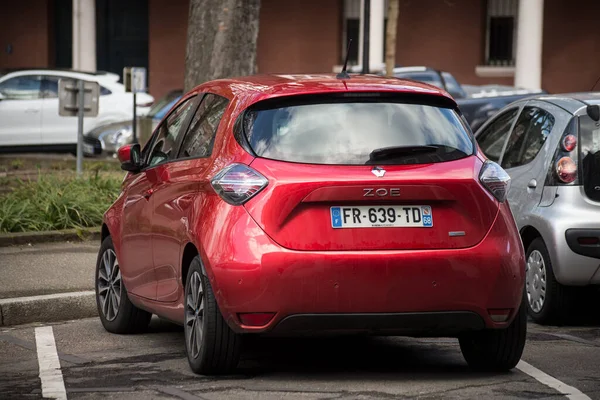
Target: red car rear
x,y
294,205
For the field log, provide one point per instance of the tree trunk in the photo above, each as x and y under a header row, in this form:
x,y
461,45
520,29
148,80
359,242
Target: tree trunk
x,y
390,36
221,40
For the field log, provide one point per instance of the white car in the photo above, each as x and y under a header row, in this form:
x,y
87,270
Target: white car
x,y
29,119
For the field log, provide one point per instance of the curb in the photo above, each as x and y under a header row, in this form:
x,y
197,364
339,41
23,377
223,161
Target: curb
x,y
10,239
48,308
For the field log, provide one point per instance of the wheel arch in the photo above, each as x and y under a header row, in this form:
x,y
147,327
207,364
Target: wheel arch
x,y
190,251
528,235
105,232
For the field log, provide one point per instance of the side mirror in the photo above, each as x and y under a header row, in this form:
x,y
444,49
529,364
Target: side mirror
x,y
2,97
130,158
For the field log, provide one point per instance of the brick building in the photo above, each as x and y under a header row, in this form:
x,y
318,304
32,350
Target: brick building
x,y
554,44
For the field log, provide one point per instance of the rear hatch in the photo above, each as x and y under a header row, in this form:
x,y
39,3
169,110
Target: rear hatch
x,y
385,172
589,135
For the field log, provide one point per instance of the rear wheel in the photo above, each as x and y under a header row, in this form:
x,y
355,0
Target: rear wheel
x,y
117,313
211,346
496,349
547,300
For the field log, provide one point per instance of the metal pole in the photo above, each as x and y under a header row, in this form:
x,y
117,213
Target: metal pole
x,y
366,29
80,110
134,127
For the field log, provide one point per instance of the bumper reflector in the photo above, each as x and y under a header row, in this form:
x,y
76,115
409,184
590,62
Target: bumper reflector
x,y
255,319
500,315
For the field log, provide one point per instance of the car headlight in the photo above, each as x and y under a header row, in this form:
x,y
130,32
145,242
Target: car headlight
x,y
120,137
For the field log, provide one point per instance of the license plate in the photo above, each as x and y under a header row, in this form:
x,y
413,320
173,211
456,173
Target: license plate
x,y
382,217
88,148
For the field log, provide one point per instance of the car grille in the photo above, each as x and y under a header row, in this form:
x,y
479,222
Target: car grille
x,y
95,143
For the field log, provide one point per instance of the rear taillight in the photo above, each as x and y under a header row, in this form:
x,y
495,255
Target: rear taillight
x,y
569,143
495,180
238,183
564,169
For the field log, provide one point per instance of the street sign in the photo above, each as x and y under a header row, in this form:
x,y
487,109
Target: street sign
x,y
68,98
78,98
134,79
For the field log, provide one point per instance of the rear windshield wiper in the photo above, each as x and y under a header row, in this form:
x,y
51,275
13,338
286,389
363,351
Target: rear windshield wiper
x,y
400,151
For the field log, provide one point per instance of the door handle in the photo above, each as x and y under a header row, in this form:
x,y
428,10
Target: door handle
x,y
532,184
32,111
148,194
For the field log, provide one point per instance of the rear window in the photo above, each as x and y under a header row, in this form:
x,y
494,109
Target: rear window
x,y
589,136
357,132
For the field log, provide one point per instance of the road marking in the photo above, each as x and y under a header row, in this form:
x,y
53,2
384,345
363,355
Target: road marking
x,y
569,391
53,385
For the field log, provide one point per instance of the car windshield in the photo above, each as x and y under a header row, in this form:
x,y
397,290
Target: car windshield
x,y
352,132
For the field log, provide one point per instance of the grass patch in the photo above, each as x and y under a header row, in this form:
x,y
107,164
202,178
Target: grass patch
x,y
54,203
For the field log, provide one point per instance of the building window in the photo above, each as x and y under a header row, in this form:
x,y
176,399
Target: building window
x,y
501,32
352,30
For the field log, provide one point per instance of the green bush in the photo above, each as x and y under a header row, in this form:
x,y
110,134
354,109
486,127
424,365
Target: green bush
x,y
52,203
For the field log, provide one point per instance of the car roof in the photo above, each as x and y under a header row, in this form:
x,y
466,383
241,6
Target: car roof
x,y
94,73
251,89
571,102
99,76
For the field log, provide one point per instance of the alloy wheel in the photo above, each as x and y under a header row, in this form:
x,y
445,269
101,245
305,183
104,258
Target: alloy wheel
x,y
109,285
194,314
536,281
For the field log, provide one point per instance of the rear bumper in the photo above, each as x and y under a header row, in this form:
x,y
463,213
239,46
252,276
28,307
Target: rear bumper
x,y
448,323
386,292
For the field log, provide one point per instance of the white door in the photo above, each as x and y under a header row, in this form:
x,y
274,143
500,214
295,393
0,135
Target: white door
x,y
20,111
56,129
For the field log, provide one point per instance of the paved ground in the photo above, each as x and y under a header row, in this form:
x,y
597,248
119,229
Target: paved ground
x,y
63,267
96,364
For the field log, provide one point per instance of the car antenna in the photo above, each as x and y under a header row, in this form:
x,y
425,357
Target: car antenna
x,y
343,74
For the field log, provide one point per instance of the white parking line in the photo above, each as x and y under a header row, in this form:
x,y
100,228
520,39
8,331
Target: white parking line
x,y
53,385
569,391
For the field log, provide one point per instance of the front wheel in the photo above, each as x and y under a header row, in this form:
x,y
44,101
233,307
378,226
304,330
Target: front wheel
x,y
211,346
496,349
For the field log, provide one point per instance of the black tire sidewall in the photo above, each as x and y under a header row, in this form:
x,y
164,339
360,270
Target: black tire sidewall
x,y
120,321
198,364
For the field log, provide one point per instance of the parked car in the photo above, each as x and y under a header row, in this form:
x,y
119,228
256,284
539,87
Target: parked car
x,y
29,109
550,146
105,140
477,103
258,207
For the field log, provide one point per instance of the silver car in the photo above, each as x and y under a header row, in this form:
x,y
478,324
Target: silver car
x,y
550,147
105,140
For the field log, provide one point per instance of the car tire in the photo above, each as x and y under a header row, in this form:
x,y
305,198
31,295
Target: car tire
x,y
218,350
124,317
557,299
496,349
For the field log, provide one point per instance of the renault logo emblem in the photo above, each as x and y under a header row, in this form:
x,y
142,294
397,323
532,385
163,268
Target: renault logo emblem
x,y
378,172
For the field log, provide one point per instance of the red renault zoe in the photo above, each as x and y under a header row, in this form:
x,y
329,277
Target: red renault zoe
x,y
314,204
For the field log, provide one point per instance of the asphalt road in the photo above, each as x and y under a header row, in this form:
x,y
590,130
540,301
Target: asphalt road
x,y
96,364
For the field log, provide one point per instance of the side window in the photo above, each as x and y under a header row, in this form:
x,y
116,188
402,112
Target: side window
x,y
50,87
22,88
527,138
163,146
200,138
492,139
